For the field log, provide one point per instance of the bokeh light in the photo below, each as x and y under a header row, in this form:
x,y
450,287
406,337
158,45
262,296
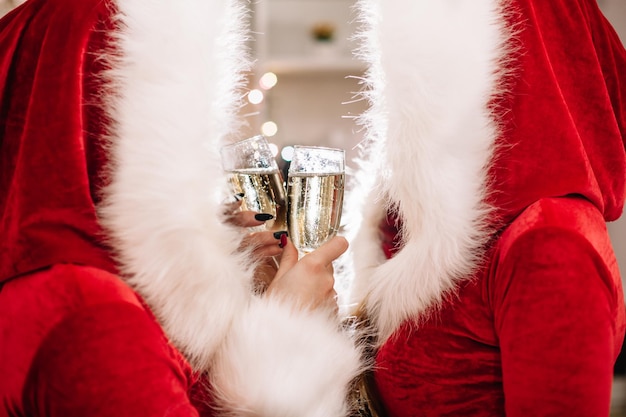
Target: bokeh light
x,y
268,80
287,153
269,129
255,96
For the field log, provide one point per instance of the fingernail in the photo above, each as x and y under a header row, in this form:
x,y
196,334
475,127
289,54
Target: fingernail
x,y
278,235
239,196
283,240
263,217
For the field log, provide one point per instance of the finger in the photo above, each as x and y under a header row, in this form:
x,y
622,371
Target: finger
x,y
267,250
249,218
330,250
263,243
289,257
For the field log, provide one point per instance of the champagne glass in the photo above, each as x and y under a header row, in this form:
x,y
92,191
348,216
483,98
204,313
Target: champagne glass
x,y
315,187
254,173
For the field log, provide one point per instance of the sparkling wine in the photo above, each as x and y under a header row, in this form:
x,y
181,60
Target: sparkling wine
x,y
264,192
314,211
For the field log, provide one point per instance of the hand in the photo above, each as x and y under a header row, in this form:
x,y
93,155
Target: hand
x,y
264,246
309,281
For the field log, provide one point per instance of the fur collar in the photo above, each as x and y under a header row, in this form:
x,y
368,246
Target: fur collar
x,y
434,68
176,84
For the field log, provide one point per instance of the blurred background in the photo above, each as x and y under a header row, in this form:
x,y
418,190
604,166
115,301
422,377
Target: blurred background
x,y
303,87
303,90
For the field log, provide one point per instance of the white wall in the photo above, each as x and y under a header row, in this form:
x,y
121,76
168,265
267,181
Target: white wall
x,y
615,11
315,109
7,5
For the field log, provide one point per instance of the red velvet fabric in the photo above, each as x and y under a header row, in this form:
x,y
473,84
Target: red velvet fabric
x,y
535,333
537,330
51,126
564,120
74,339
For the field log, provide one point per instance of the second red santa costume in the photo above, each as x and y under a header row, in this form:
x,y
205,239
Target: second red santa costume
x,y
494,156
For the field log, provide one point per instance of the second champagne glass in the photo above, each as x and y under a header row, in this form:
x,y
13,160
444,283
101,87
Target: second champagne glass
x,y
315,188
254,173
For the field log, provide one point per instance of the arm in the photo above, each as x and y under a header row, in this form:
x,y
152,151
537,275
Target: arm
x,y
108,360
558,311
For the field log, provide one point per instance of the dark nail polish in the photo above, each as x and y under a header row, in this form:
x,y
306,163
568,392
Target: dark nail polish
x,y
278,235
262,217
283,240
239,196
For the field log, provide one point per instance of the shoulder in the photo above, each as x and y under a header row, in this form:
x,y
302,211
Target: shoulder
x,y
557,242
91,286
568,217
560,245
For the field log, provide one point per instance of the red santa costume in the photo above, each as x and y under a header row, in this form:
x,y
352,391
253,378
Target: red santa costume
x,y
112,114
494,156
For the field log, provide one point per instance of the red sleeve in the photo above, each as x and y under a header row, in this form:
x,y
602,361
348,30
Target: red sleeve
x,y
560,320
108,360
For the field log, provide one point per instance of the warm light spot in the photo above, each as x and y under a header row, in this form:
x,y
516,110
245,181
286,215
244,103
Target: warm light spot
x,y
268,80
255,96
269,129
287,153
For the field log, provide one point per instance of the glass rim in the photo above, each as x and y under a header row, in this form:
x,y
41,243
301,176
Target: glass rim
x,y
324,148
317,160
252,153
254,138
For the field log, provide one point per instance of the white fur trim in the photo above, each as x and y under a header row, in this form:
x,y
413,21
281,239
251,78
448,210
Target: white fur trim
x,y
433,68
269,367
174,104
176,96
